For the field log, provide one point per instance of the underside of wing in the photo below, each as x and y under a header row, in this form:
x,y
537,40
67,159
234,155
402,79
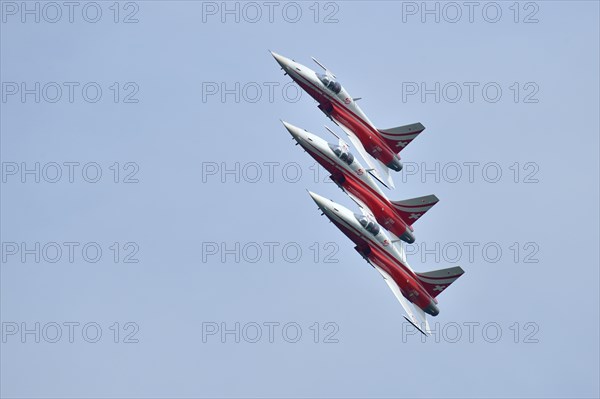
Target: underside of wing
x,y
415,315
397,243
386,174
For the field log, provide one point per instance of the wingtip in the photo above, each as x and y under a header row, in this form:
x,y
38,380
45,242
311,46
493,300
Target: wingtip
x,y
415,326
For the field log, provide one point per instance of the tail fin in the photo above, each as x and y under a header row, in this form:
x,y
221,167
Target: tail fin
x,y
437,281
399,137
412,209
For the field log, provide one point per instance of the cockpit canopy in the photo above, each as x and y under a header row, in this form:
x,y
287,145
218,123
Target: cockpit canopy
x,y
345,156
369,225
331,84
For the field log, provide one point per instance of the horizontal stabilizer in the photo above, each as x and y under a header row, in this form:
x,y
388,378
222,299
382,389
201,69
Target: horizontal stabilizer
x,y
412,209
437,281
399,137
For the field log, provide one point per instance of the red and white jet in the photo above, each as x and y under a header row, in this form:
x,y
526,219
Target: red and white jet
x,y
381,144
416,292
347,172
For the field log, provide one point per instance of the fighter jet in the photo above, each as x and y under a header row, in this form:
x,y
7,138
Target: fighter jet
x,y
381,144
416,292
356,181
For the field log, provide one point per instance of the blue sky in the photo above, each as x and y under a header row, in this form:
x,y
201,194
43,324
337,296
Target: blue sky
x,y
181,220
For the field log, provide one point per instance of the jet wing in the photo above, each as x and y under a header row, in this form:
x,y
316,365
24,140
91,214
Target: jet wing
x,y
376,172
386,172
364,209
399,247
415,315
327,71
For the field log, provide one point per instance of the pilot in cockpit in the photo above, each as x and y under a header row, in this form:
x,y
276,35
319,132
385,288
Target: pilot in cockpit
x,y
331,84
369,225
345,156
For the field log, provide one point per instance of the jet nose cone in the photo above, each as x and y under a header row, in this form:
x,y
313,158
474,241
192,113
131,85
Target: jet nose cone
x,y
295,131
281,60
319,200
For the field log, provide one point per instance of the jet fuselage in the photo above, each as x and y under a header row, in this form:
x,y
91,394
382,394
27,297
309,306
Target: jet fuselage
x,y
351,177
375,245
336,103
